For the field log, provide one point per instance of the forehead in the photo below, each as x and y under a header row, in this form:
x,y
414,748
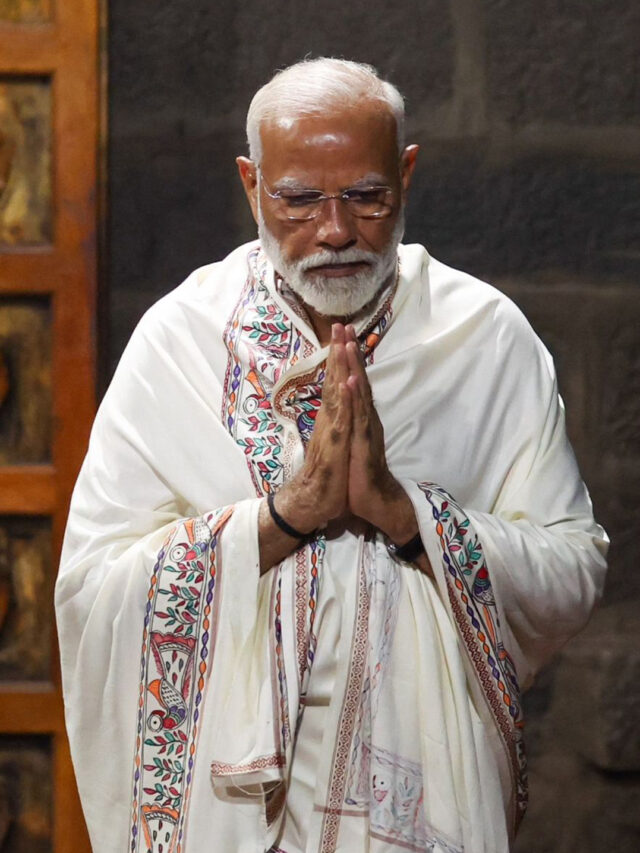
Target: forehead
x,y
339,146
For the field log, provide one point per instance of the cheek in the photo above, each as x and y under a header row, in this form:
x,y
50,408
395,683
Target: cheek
x,y
375,236
296,241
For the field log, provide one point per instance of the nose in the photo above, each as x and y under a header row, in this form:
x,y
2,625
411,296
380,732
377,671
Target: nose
x,y
335,226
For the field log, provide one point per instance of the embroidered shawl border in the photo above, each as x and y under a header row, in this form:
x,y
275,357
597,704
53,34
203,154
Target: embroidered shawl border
x,y
178,647
474,609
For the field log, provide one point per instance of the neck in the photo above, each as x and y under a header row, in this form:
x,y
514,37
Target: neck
x,y
322,325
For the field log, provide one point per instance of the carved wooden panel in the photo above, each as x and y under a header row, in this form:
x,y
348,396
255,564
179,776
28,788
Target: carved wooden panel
x,y
25,794
25,11
26,591
49,59
25,161
25,380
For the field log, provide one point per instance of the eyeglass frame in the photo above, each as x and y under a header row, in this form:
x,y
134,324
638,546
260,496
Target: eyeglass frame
x,y
277,196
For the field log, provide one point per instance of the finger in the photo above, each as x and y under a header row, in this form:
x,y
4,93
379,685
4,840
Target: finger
x,y
339,429
345,405
356,368
360,406
336,369
337,362
338,333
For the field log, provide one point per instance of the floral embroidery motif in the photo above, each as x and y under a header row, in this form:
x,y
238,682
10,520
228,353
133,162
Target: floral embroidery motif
x,y
264,343
177,650
474,608
261,327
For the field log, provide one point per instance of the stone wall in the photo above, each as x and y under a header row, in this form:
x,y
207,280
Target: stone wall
x,y
528,114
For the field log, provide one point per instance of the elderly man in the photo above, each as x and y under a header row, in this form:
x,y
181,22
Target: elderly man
x,y
328,523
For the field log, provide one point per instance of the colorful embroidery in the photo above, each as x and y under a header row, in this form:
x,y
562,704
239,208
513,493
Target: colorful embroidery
x,y
263,344
308,563
285,727
474,608
177,650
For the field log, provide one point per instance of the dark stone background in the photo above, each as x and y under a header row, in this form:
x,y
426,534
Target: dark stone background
x,y
528,114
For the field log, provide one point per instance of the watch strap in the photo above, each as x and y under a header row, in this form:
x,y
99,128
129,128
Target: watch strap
x,y
409,551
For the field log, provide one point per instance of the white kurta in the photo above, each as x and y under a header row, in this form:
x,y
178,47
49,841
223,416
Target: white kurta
x,y
186,676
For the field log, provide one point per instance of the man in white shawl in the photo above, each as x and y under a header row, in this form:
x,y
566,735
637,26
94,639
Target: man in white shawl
x,y
328,526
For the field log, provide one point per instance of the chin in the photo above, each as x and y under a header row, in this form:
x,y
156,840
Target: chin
x,y
343,300
343,297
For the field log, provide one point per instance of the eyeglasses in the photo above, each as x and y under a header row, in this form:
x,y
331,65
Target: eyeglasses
x,y
303,204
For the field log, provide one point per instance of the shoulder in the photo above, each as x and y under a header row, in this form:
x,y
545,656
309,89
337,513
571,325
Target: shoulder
x,y
460,298
472,313
463,294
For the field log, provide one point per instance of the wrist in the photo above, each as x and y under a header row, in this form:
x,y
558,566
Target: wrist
x,y
281,522
410,551
393,514
292,507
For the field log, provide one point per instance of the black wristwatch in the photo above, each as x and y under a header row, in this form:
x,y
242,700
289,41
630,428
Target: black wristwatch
x,y
409,551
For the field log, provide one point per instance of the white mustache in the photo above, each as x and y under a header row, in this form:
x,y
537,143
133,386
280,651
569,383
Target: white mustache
x,y
348,256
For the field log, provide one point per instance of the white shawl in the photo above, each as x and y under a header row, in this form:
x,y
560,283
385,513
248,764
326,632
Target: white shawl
x,y
184,673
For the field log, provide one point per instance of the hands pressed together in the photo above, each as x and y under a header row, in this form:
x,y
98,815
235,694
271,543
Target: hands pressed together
x,y
345,471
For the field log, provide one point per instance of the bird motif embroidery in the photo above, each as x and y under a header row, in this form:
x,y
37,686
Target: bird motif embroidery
x,y
173,656
380,787
481,589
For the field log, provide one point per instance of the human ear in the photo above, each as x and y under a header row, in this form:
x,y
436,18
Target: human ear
x,y
248,175
407,165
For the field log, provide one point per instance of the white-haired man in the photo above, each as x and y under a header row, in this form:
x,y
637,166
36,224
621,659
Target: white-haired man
x,y
283,627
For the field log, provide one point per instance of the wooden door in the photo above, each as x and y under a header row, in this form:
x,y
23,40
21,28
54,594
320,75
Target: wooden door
x,y
48,190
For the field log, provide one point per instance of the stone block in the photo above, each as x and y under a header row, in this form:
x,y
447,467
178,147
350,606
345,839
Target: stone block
x,y
602,668
616,496
534,216
173,60
411,43
174,207
188,59
614,369
612,375
569,61
575,808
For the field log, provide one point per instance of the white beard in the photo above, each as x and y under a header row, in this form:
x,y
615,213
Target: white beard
x,y
343,296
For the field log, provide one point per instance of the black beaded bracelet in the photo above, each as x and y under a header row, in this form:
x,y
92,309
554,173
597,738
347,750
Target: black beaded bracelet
x,y
279,520
409,551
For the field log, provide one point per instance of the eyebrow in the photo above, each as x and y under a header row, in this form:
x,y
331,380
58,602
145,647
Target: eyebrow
x,y
372,179
287,183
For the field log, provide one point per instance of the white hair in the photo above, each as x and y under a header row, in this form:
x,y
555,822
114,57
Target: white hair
x,y
314,85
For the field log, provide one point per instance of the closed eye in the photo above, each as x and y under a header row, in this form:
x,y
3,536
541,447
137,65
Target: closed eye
x,y
300,199
370,195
